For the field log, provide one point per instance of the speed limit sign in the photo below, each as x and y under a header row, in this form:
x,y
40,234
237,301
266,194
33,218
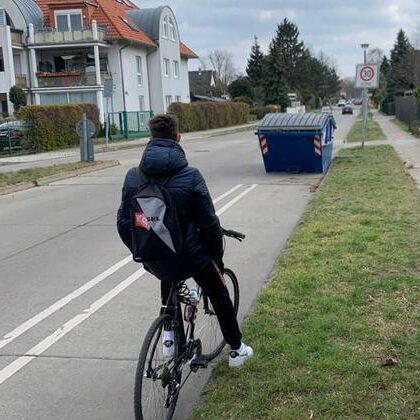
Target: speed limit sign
x,y
367,76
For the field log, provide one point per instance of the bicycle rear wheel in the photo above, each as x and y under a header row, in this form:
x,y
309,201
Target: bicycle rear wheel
x,y
157,378
207,327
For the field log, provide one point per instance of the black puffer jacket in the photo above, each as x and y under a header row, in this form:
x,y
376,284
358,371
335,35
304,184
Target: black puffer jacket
x,y
200,226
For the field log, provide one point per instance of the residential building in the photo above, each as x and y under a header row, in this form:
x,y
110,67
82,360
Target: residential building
x,y
202,82
107,52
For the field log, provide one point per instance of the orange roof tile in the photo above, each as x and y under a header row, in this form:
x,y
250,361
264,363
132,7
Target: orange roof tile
x,y
112,15
187,52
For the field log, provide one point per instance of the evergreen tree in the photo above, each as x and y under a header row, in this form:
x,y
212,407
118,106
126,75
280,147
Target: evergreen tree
x,y
255,66
17,98
401,74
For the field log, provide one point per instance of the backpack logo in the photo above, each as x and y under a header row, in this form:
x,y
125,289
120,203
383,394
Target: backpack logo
x,y
140,221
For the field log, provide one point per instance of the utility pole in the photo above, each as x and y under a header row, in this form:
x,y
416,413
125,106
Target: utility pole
x,y
365,99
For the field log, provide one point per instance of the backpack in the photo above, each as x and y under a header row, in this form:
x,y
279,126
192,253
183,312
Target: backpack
x,y
155,229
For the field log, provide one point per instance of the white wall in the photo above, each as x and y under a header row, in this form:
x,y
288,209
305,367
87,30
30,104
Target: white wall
x,y
7,77
169,49
185,88
132,89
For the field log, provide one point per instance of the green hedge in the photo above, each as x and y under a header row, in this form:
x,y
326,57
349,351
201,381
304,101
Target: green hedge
x,y
207,115
52,127
261,111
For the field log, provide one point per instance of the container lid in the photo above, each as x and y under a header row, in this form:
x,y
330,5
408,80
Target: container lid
x,y
295,122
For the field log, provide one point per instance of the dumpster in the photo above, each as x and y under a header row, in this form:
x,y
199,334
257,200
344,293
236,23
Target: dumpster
x,y
296,142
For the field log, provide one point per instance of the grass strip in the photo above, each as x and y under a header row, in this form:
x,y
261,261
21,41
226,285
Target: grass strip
x,y
33,174
374,132
344,302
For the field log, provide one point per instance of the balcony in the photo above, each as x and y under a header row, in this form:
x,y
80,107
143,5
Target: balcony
x,y
21,80
16,37
52,36
70,79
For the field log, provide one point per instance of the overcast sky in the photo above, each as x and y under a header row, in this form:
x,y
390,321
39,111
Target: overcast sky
x,y
336,27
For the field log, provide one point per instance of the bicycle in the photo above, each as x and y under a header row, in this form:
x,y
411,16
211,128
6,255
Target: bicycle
x,y
158,381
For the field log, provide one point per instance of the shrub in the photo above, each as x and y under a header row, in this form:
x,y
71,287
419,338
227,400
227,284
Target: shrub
x,y
53,127
207,115
261,111
17,97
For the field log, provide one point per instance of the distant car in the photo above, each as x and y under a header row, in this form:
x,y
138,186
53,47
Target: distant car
x,y
357,101
341,103
327,109
14,129
347,109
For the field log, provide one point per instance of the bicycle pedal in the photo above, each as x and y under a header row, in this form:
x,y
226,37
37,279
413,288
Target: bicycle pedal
x,y
198,363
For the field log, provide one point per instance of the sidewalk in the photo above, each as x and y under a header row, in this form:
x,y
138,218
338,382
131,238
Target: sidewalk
x,y
406,145
118,145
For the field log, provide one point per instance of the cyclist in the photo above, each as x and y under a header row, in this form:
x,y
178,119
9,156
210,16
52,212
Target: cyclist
x,y
202,254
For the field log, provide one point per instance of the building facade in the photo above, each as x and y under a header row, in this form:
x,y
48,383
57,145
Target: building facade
x,y
107,52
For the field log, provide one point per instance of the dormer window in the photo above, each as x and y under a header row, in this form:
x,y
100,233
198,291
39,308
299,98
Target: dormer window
x,y
165,27
68,20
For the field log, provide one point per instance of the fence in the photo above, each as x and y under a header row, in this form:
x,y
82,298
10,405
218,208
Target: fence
x,y
129,125
407,109
388,108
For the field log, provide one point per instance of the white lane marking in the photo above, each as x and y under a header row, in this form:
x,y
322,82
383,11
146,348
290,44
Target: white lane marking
x,y
45,344
236,199
36,319
12,335
221,197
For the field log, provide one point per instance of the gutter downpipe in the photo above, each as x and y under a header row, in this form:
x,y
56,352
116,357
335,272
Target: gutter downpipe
x,y
125,121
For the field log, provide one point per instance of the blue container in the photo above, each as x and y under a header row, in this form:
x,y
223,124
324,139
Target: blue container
x,y
296,142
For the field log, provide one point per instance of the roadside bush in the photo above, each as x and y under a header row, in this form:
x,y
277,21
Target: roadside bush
x,y
207,115
261,111
53,127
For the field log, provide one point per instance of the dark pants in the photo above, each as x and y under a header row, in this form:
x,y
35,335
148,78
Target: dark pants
x,y
210,281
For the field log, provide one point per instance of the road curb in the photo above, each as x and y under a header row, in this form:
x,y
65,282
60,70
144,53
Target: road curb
x,y
58,177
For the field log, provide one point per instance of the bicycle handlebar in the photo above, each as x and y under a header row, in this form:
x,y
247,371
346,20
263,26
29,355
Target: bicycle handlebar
x,y
233,234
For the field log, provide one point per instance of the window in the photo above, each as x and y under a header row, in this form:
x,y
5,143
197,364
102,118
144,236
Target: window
x,y
139,71
172,30
141,103
165,27
1,59
166,67
168,100
176,69
68,20
178,99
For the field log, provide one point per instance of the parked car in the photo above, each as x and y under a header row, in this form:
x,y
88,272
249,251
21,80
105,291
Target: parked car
x,y
357,101
347,110
327,109
14,129
341,102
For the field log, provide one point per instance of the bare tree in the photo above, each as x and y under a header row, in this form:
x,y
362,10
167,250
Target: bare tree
x,y
222,64
375,56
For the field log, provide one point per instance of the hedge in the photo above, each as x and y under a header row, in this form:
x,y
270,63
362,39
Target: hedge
x,y
261,111
198,116
53,127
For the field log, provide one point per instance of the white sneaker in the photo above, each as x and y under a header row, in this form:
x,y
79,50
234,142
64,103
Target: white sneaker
x,y
168,345
239,357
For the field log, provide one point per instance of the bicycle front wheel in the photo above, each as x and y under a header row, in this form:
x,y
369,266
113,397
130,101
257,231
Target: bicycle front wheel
x,y
158,376
207,327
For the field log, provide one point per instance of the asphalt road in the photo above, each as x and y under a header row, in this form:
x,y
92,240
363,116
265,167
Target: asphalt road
x,y
74,308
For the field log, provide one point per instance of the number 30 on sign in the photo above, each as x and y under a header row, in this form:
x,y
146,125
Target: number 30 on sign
x,y
367,76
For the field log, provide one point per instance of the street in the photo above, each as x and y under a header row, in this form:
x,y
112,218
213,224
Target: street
x,y
75,307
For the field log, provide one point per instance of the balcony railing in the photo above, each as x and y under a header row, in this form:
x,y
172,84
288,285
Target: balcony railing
x,y
21,80
62,80
52,35
16,36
